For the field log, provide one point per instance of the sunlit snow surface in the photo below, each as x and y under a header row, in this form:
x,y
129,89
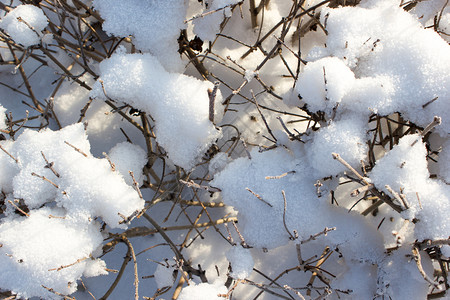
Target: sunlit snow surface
x,y
178,103
24,24
376,58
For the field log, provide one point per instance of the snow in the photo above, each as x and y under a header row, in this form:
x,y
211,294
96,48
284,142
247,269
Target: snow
x,y
208,25
412,59
323,83
2,117
345,137
129,157
377,62
405,170
262,225
360,278
86,186
241,261
29,33
398,277
178,103
203,291
33,246
218,162
154,25
444,162
164,275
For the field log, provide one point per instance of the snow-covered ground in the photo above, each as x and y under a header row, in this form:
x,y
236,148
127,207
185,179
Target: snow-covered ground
x,y
224,149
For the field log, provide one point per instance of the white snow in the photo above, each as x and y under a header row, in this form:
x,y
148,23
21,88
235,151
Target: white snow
x,y
129,157
261,221
444,162
360,278
398,277
33,246
28,31
2,117
87,187
178,103
155,26
346,137
203,291
218,162
413,61
241,261
207,26
375,59
405,170
164,276
323,83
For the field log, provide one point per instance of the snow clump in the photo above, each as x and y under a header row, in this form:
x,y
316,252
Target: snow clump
x,y
48,249
24,24
154,25
203,291
54,175
405,170
178,103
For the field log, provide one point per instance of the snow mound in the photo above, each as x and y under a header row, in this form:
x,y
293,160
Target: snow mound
x,y
262,226
24,24
398,277
85,186
203,291
120,156
346,137
34,247
405,170
178,103
155,26
411,64
323,83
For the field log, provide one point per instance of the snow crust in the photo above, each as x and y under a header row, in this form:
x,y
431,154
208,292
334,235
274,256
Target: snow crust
x,y
178,103
29,33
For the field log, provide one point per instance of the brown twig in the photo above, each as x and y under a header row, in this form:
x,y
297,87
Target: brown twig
x,y
259,197
76,149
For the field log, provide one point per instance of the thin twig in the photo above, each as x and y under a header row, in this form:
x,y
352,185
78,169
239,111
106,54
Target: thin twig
x,y
4,150
259,197
284,216
76,149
